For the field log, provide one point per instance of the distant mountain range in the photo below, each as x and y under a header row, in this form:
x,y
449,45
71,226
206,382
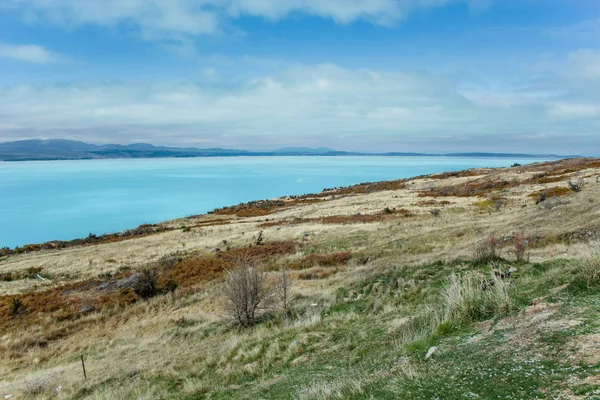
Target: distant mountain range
x,y
58,149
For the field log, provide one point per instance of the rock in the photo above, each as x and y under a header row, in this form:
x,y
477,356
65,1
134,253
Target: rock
x,y
430,352
87,309
553,202
129,282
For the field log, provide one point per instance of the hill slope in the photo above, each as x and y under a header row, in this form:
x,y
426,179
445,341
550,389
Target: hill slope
x,y
380,280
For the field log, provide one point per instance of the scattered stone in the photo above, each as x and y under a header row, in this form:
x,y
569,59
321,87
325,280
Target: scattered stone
x,y
553,202
87,309
430,352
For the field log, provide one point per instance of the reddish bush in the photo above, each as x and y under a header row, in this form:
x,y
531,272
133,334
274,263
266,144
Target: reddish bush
x,y
485,250
521,243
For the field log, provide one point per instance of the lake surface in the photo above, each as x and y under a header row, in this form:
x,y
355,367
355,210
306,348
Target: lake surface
x,y
62,200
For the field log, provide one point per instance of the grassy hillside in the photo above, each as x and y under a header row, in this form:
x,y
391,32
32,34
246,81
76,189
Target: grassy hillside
x,y
400,290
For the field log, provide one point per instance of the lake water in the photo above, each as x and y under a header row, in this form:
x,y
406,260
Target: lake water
x,y
62,200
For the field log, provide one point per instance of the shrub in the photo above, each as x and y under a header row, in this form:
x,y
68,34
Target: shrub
x,y
247,294
546,194
170,286
169,261
541,197
576,185
465,300
521,242
322,260
485,251
145,284
259,239
283,289
40,387
16,308
587,275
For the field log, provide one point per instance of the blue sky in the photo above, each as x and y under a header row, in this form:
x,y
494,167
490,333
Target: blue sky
x,y
378,75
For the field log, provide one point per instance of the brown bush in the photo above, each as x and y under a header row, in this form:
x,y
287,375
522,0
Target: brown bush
x,y
142,230
543,195
485,251
521,243
322,260
470,189
343,219
318,273
261,207
195,269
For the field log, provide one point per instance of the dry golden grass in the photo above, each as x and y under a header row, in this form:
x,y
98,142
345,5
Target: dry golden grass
x,y
332,244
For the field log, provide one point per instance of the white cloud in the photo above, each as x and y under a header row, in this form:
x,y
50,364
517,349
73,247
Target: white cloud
x,y
586,63
321,105
28,53
180,19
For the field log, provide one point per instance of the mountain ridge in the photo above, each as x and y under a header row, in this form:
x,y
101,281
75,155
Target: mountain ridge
x,y
63,149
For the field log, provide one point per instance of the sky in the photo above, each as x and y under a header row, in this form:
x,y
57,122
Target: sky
x,y
365,75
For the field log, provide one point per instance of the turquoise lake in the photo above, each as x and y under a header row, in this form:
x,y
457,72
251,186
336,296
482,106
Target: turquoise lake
x,y
62,200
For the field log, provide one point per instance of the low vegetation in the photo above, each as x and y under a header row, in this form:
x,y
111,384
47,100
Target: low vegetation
x,y
411,304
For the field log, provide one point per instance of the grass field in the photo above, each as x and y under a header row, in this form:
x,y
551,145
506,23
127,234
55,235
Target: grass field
x,y
383,275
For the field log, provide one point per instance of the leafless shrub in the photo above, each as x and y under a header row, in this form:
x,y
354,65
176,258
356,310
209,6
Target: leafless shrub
x,y
485,251
248,296
283,289
521,243
435,212
576,185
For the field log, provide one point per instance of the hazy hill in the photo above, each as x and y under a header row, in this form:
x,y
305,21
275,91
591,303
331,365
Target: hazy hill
x,y
58,149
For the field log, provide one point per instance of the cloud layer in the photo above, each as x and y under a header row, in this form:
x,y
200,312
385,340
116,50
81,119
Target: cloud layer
x,y
28,53
178,19
324,105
